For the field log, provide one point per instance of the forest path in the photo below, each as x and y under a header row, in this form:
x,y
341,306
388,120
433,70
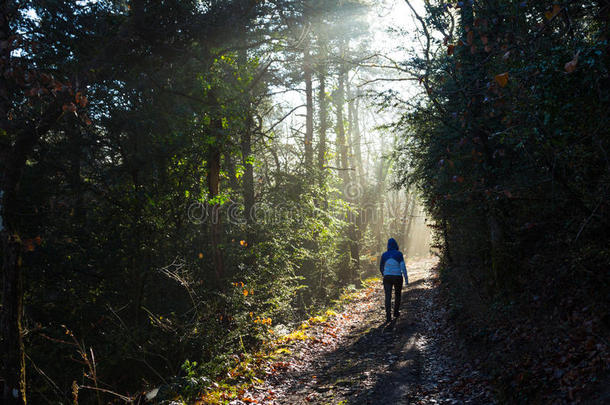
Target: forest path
x,y
355,358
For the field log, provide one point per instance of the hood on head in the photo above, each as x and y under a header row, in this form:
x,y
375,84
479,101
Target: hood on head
x,y
392,245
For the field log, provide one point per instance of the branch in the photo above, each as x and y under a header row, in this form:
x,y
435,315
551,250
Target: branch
x,y
283,118
339,168
123,397
387,79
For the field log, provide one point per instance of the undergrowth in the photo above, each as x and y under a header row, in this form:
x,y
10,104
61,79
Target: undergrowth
x,y
234,375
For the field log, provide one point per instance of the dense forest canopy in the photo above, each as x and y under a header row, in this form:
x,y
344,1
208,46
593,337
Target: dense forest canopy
x,y
181,180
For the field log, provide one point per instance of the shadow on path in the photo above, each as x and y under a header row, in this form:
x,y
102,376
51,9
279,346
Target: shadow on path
x,y
374,363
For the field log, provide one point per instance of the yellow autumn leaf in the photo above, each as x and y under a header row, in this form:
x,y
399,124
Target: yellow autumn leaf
x,y
502,79
245,293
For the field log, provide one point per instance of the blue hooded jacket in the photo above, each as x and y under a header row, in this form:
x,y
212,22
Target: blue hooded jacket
x,y
392,263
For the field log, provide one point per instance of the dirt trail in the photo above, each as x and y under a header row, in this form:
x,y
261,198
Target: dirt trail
x,y
355,358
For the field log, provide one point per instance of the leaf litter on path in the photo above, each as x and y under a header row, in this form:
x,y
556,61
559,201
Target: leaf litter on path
x,y
354,357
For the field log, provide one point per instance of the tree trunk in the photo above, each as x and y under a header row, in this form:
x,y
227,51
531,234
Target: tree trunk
x,y
213,180
12,285
409,211
341,139
12,310
323,125
355,135
248,182
307,73
246,154
5,60
231,170
13,162
379,197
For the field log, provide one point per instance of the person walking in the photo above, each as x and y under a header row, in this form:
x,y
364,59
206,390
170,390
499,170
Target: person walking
x,y
392,267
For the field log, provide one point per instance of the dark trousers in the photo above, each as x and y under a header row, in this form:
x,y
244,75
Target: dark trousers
x,y
388,283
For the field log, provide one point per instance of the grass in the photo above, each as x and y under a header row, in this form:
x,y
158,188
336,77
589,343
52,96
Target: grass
x,y
296,335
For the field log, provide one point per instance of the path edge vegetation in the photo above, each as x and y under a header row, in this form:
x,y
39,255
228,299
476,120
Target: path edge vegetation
x,y
251,366
507,146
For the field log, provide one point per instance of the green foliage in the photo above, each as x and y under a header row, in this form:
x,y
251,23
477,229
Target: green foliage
x,y
508,147
510,141
144,130
108,193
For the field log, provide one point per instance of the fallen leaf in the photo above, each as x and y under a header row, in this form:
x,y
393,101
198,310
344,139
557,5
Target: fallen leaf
x,y
502,79
553,13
